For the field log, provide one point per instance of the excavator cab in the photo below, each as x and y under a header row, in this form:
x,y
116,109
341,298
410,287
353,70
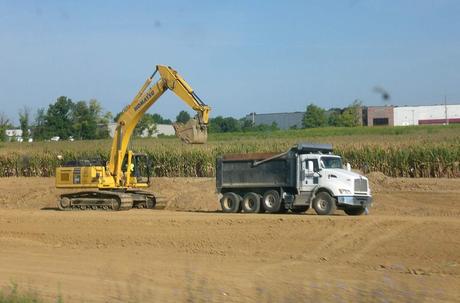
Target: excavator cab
x,y
136,169
141,168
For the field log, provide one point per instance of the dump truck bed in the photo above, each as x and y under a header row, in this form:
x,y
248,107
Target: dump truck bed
x,y
242,171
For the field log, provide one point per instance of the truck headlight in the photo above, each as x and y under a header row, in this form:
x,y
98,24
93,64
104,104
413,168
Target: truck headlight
x,y
344,191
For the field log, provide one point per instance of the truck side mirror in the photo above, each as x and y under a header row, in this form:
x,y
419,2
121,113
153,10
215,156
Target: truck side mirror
x,y
310,166
348,166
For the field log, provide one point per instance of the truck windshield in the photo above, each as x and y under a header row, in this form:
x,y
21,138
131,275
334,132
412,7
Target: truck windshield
x,y
331,162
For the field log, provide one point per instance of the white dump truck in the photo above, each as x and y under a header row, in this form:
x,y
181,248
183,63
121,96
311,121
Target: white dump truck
x,y
307,175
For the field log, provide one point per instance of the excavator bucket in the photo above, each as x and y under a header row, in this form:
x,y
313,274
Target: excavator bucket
x,y
191,132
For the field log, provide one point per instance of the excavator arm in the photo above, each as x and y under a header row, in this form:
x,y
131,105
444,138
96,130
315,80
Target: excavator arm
x,y
193,132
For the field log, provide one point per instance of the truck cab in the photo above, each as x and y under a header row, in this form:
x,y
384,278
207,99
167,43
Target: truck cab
x,y
326,173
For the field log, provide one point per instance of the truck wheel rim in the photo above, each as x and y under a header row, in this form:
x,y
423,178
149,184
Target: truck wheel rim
x,y
322,204
250,203
228,203
269,201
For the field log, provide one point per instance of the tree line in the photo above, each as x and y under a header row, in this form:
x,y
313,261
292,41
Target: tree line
x,y
82,120
64,119
314,116
86,120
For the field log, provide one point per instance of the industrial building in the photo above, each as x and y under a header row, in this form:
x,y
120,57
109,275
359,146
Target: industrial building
x,y
430,114
378,115
411,115
374,116
161,129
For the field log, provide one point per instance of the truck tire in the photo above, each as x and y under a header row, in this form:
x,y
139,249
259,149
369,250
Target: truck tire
x,y
251,203
324,204
271,201
354,210
230,203
300,209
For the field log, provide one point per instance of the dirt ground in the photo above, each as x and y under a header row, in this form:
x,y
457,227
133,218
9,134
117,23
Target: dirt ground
x,y
406,250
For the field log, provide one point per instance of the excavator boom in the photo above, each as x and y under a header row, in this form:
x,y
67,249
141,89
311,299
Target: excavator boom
x,y
193,132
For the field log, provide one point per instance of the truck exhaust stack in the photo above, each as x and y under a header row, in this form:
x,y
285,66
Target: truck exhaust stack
x,y
191,132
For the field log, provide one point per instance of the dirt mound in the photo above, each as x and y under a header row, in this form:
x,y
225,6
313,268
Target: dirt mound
x,y
185,194
27,193
381,183
392,196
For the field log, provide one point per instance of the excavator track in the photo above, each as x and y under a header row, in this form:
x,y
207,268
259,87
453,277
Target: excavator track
x,y
107,200
96,200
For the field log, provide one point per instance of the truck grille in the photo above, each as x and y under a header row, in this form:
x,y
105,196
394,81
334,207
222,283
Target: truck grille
x,y
361,185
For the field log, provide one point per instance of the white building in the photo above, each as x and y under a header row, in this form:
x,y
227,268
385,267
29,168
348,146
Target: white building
x,y
161,129
14,135
430,114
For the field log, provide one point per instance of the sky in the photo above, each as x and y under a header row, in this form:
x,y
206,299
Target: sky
x,y
239,56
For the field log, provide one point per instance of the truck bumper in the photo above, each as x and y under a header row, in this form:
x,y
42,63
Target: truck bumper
x,y
365,201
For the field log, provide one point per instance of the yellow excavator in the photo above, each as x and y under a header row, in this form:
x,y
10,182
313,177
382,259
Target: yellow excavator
x,y
118,184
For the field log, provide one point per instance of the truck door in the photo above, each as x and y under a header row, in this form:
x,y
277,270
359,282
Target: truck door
x,y
309,179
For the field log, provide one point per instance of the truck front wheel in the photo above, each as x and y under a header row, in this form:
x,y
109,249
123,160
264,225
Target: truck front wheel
x,y
354,210
251,203
324,204
271,201
230,203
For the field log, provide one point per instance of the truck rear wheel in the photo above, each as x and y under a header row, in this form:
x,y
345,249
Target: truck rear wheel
x,y
354,210
251,203
271,201
324,204
230,203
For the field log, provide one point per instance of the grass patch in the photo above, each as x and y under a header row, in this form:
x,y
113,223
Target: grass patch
x,y
12,294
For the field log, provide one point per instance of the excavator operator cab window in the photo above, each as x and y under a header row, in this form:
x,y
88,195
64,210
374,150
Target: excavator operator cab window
x,y
141,168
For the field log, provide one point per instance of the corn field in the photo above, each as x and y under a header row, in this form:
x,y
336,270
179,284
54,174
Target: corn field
x,y
428,153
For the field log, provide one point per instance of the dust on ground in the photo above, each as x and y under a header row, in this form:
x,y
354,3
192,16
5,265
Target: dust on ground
x,y
407,249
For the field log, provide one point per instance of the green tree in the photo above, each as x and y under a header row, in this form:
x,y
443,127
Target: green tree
x,y
183,117
351,116
39,129
315,116
80,121
220,124
117,116
59,118
103,126
24,115
97,122
160,120
246,125
334,117
4,125
147,122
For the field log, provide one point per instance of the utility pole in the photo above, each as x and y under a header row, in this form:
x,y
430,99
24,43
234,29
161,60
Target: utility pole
x,y
445,109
